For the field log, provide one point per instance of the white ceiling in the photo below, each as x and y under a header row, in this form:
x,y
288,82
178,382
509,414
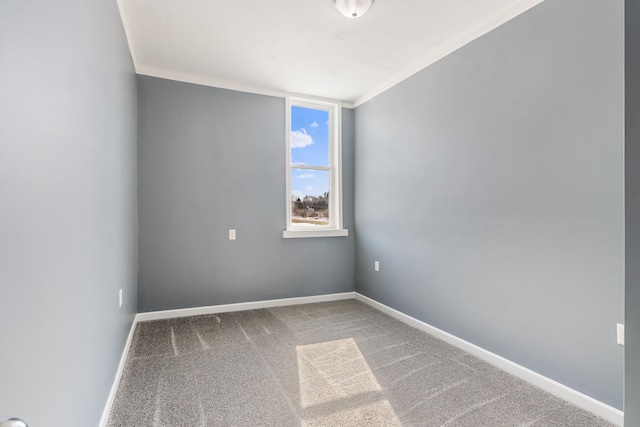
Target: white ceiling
x,y
303,46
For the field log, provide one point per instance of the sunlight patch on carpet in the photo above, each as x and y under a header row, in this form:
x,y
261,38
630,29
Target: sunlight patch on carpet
x,y
337,372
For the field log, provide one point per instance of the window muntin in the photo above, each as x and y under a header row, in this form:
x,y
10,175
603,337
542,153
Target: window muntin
x,y
313,167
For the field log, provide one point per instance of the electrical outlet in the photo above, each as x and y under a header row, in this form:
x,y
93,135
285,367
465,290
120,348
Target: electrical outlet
x,y
376,266
620,333
120,298
232,234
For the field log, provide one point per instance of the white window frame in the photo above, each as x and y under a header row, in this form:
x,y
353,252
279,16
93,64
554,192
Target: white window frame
x,y
335,227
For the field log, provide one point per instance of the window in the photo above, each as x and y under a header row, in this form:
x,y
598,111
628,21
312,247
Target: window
x,y
313,158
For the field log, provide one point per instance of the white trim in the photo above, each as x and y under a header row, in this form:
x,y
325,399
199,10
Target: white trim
x,y
171,314
287,161
334,110
146,70
435,56
581,400
560,390
116,382
253,305
337,156
127,33
449,48
297,234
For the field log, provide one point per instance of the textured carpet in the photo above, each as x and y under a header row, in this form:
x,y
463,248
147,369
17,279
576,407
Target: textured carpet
x,y
329,364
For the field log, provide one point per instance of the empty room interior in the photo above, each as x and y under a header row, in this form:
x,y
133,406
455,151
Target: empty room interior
x,y
478,198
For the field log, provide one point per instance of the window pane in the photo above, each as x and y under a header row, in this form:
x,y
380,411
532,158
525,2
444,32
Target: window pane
x,y
310,197
309,136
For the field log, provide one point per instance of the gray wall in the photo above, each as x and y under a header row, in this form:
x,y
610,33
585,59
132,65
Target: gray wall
x,y
490,188
632,217
67,208
210,160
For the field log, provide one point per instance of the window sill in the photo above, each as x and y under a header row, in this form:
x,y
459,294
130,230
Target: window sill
x,y
297,234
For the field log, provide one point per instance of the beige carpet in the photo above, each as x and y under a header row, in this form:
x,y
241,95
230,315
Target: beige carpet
x,y
329,364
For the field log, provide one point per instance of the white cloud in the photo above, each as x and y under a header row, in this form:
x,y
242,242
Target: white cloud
x,y
305,176
314,125
300,138
309,188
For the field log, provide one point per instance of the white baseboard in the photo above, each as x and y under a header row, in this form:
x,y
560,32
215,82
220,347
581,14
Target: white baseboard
x,y
114,388
254,305
226,308
573,396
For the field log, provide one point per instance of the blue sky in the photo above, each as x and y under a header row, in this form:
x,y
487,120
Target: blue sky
x,y
309,146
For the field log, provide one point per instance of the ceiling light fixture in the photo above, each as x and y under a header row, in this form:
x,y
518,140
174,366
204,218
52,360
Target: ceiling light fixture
x,y
352,8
